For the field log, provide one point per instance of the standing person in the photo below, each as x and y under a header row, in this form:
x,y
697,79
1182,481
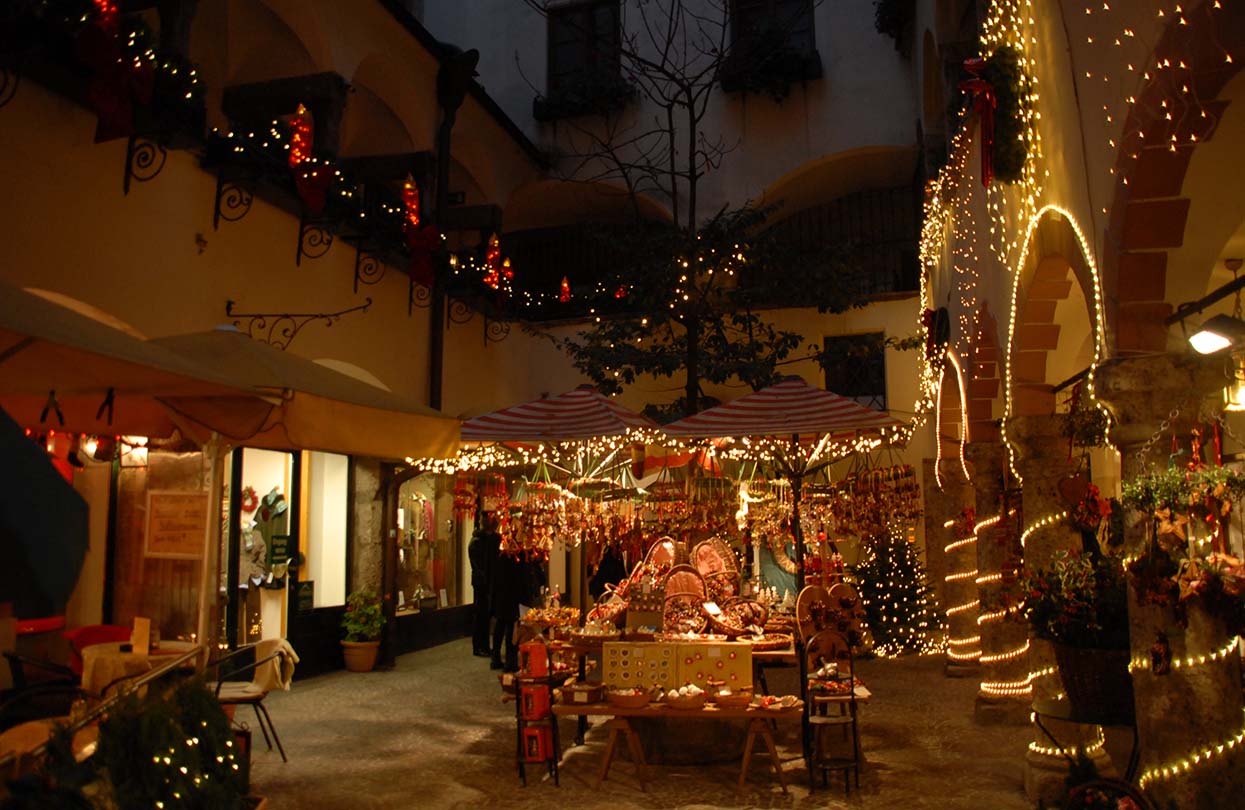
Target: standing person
x,y
482,552
507,591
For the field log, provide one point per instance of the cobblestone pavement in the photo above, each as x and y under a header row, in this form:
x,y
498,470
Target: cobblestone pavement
x,y
432,733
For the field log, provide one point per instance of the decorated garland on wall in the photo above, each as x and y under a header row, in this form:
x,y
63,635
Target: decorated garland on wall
x,y
1010,147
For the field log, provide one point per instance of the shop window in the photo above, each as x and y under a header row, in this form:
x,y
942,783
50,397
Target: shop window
x,y
583,68
431,546
327,499
266,515
856,368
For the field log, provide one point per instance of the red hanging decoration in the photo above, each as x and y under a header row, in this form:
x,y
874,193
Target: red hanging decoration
x,y
311,176
492,261
117,80
507,272
422,240
984,103
107,16
621,292
564,294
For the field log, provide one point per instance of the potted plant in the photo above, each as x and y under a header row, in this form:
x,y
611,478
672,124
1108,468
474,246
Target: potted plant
x,y
362,621
1080,603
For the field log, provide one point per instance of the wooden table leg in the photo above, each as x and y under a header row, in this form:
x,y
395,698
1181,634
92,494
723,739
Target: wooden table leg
x,y
608,756
768,736
752,736
637,753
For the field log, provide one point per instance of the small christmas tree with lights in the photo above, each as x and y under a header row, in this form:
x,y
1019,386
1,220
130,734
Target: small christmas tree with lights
x,y
897,598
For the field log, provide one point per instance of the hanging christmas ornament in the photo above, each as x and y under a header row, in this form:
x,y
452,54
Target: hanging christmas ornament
x,y
564,294
621,292
507,272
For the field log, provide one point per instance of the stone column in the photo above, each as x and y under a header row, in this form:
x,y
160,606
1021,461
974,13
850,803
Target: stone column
x,y
1042,461
1004,694
949,562
1189,719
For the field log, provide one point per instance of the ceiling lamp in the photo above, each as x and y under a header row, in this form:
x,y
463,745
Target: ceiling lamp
x,y
1217,334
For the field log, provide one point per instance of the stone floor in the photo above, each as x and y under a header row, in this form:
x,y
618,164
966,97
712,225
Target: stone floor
x,y
432,733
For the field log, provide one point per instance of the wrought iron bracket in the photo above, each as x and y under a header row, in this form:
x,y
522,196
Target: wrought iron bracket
x,y
280,328
144,159
459,312
417,296
495,331
10,77
233,200
369,269
315,237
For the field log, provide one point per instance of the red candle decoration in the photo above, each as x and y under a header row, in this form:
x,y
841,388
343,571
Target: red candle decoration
x,y
422,241
301,136
564,294
492,261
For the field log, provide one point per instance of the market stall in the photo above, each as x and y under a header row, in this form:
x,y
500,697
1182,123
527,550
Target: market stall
x,y
796,429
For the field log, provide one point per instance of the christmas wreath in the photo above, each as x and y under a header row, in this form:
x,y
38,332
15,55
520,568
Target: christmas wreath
x,y
250,500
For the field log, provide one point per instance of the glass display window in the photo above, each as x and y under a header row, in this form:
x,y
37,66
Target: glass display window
x,y
431,546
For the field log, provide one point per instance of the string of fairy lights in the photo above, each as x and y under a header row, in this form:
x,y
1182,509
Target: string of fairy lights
x,y
961,648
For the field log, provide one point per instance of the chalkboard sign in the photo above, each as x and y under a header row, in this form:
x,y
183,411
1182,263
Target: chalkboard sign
x,y
176,524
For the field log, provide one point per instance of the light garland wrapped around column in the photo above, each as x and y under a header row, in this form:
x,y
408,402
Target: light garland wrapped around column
x,y
960,592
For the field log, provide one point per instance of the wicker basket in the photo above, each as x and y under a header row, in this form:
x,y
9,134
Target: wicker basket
x,y
735,700
688,702
621,700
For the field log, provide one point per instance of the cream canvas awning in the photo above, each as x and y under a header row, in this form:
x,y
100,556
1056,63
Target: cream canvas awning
x,y
316,408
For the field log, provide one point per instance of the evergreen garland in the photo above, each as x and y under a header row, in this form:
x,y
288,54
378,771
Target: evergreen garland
x,y
1011,143
897,598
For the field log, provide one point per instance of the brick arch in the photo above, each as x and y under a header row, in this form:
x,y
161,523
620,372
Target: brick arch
x,y
985,378
1149,213
1056,324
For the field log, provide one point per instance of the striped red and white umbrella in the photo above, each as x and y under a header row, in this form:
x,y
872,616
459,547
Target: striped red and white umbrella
x,y
580,414
791,407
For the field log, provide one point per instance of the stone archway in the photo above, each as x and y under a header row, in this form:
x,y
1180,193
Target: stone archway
x,y
1150,213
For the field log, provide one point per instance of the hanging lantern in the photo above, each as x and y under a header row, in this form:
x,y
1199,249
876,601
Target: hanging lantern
x,y
107,15
621,292
506,271
564,294
301,136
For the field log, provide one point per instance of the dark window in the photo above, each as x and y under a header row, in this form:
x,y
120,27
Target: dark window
x,y
583,39
856,368
880,226
752,19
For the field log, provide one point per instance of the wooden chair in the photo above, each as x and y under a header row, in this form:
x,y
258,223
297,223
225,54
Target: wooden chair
x,y
825,647
250,693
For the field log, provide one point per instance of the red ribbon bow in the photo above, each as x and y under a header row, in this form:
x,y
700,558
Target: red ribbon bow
x,y
117,81
984,103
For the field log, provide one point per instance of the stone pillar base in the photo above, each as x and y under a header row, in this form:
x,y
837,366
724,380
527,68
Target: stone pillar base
x,y
961,669
995,711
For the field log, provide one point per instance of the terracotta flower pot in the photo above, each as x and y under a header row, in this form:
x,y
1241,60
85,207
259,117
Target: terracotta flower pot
x,y
360,655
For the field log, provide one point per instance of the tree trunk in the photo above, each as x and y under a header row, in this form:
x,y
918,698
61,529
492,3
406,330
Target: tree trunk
x,y
692,392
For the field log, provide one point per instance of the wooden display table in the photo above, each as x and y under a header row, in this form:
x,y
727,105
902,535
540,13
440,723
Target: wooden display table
x,y
104,664
758,726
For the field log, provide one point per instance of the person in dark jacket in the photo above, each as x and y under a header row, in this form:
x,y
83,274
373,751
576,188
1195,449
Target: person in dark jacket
x,y
509,588
482,552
